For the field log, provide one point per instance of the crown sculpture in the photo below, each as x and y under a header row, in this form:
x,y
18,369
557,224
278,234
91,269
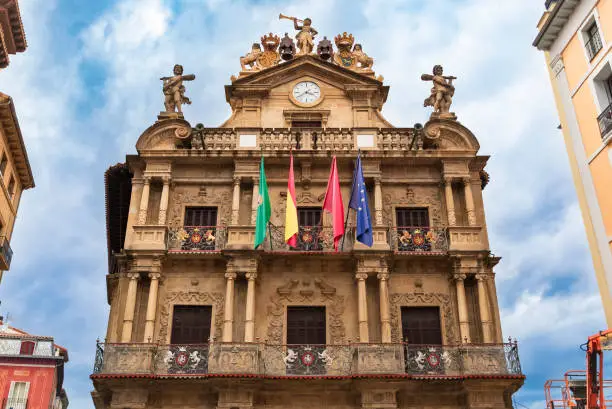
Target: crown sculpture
x,y
276,50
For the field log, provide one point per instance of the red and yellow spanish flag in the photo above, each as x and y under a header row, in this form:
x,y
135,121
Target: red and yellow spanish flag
x,y
291,219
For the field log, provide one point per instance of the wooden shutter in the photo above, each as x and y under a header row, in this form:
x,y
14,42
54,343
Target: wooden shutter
x,y
412,217
309,216
191,324
200,216
306,325
421,325
27,348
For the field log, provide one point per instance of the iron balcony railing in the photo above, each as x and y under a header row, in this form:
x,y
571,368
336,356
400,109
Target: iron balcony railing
x,y
15,403
6,253
593,45
308,360
418,239
605,121
309,238
197,238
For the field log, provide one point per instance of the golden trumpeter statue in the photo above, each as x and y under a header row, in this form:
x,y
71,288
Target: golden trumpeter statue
x,y
305,36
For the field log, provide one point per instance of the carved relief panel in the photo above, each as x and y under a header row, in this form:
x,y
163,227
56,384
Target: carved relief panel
x,y
180,198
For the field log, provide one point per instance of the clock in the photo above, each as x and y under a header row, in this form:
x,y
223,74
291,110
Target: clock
x,y
306,93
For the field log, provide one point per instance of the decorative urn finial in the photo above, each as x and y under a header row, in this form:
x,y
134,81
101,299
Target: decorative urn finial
x,y
286,48
325,49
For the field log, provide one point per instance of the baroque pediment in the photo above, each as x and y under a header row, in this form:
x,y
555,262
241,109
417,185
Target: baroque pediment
x,y
305,66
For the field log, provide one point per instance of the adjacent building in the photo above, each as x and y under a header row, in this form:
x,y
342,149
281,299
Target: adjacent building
x,y
12,34
200,319
31,371
576,36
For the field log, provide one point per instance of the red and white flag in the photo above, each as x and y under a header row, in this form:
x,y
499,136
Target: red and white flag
x,y
333,203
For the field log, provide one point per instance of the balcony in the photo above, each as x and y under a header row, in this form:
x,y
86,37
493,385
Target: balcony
x,y
149,237
189,239
605,121
6,254
422,240
15,403
309,239
266,360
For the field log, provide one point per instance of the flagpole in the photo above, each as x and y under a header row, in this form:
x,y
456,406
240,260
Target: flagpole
x,y
348,210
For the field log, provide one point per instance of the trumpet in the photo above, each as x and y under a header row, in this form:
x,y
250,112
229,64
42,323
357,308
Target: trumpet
x,y
282,16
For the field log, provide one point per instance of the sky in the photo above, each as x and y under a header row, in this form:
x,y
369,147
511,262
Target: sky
x,y
88,85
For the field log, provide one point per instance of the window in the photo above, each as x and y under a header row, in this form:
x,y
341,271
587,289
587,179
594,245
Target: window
x,y
18,395
306,325
191,324
306,124
3,163
412,217
200,216
27,347
309,216
592,40
421,325
602,87
11,187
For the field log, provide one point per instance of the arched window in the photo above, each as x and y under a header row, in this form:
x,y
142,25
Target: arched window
x,y
27,347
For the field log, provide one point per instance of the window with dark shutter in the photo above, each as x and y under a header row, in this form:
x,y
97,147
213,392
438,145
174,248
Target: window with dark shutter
x,y
306,325
200,216
412,217
421,325
309,216
191,324
27,347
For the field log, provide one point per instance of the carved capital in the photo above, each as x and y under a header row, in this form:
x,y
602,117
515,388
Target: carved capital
x,y
459,276
147,180
166,180
237,180
361,276
466,180
154,276
481,277
251,276
133,276
447,180
377,180
231,276
383,276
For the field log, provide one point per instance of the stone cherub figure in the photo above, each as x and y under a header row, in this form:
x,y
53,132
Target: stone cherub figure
x,y
305,37
442,93
174,90
362,58
251,58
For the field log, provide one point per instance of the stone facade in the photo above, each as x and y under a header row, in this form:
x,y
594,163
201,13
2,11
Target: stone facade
x,y
246,363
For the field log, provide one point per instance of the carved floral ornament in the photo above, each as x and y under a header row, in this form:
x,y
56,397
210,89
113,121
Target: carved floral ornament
x,y
306,292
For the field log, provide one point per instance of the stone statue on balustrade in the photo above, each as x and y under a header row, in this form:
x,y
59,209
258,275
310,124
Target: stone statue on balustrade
x,y
305,36
442,93
174,90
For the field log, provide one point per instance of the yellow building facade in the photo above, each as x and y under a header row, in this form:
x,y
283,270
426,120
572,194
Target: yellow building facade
x,y
15,172
200,319
576,37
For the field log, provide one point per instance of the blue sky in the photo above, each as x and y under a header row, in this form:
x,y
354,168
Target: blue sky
x,y
87,86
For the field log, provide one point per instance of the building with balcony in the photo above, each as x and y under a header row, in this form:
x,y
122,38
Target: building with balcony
x,y
200,319
575,36
31,371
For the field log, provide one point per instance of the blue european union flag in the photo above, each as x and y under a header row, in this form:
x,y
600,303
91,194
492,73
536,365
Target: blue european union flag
x,y
359,202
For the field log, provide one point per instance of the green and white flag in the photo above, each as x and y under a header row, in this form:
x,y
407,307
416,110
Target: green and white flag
x,y
263,207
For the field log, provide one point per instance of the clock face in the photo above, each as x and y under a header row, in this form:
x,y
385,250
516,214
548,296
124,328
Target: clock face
x,y
306,92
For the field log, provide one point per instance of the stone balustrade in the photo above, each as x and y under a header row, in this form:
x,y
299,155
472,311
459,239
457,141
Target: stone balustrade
x,y
309,360
308,139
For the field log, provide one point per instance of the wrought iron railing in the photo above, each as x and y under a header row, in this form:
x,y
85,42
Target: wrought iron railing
x,y
593,45
15,403
6,253
418,239
309,238
197,238
309,360
605,121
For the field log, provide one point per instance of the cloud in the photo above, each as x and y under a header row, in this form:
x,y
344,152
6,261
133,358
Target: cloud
x,y
83,103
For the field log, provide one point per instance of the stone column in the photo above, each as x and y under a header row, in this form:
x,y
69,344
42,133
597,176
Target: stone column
x,y
249,324
255,201
483,304
364,335
228,321
464,324
163,204
236,201
469,201
385,317
151,307
144,201
130,306
450,203
378,202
